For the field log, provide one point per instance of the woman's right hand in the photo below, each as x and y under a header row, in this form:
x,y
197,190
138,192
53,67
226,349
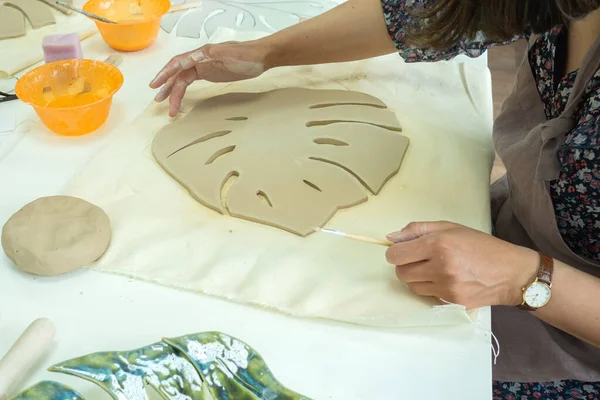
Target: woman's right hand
x,y
223,62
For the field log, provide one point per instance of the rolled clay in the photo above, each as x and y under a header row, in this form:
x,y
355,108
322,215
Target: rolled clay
x,y
289,158
55,235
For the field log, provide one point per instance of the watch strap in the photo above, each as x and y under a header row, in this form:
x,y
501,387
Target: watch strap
x,y
546,269
544,275
526,307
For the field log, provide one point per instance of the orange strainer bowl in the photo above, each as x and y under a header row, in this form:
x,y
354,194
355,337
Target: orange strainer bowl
x,y
138,21
71,97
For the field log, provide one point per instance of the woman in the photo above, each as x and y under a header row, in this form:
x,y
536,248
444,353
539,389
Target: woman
x,y
541,268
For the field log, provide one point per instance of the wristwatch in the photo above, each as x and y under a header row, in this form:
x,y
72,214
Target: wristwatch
x,y
537,294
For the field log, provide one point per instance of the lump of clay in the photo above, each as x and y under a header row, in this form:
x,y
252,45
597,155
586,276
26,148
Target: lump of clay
x,y
55,235
289,158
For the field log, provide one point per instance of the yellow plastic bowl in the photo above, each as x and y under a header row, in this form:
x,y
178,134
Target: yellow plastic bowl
x,y
71,97
138,21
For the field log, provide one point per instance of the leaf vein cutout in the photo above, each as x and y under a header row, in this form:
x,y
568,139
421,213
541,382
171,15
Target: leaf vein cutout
x,y
263,196
330,141
200,140
228,182
330,122
327,105
219,153
312,185
286,165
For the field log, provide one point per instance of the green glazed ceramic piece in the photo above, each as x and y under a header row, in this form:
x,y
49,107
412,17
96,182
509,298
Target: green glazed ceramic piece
x,y
49,390
124,374
232,369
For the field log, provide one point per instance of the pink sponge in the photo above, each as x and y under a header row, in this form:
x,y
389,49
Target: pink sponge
x,y
61,47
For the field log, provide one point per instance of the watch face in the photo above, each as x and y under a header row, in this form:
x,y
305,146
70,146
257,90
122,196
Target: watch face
x,y
537,295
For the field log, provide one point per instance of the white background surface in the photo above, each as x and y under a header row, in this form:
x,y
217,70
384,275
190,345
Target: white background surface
x,y
95,312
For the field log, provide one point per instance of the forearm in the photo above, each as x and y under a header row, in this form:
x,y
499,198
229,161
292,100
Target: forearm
x,y
352,31
575,303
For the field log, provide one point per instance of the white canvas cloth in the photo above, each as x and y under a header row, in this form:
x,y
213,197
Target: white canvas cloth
x,y
162,235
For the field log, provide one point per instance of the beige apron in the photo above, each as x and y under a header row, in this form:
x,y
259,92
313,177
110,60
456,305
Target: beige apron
x,y
523,213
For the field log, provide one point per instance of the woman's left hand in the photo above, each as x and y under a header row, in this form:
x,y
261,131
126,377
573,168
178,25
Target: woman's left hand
x,y
461,265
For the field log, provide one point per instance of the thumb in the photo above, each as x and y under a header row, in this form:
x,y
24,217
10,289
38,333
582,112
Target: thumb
x,y
415,230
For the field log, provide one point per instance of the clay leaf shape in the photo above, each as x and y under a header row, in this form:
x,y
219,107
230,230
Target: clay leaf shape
x,y
288,158
231,368
49,390
125,374
246,15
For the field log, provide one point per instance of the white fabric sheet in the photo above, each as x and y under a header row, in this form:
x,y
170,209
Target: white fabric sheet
x,y
162,235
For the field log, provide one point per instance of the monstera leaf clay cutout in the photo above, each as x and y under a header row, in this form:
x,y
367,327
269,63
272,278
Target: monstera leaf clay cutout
x,y
49,390
232,369
202,366
125,374
289,158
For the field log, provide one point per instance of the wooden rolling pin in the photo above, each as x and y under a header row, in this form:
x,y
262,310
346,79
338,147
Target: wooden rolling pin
x,y
26,351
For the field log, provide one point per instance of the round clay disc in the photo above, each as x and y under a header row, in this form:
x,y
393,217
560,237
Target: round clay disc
x,y
55,235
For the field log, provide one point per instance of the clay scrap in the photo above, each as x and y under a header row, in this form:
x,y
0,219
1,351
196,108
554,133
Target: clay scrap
x,y
288,158
12,22
13,14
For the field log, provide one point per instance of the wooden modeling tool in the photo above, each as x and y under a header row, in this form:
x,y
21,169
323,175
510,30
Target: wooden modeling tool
x,y
52,4
135,9
359,238
114,59
184,6
86,13
26,351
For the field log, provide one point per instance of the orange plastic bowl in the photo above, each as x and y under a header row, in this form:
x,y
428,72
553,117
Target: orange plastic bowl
x,y
138,21
71,97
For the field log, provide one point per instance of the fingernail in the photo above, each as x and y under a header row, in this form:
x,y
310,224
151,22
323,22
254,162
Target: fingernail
x,y
157,77
154,80
395,236
160,96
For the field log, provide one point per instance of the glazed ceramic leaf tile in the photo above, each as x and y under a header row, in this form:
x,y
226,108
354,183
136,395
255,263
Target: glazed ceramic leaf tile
x,y
49,390
125,374
202,366
232,369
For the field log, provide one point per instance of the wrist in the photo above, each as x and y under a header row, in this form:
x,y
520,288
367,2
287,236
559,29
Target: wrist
x,y
524,271
271,50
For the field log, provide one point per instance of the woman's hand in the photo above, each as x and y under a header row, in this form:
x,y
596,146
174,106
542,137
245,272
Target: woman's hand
x,y
330,37
461,265
223,62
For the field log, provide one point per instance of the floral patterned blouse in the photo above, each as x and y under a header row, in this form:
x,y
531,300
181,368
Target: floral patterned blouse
x,y
576,193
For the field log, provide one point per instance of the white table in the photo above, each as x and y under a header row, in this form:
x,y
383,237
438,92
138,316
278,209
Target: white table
x,y
94,311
